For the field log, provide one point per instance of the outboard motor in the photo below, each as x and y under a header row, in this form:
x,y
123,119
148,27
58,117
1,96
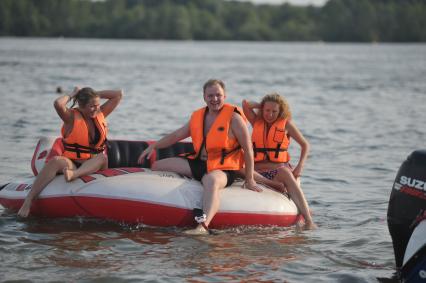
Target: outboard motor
x,y
407,218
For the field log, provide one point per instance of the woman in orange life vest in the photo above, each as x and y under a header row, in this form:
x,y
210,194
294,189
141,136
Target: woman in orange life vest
x,y
272,129
84,133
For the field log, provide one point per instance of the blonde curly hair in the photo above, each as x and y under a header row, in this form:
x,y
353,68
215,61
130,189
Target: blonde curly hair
x,y
284,107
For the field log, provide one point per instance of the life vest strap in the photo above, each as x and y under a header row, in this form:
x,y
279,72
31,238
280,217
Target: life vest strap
x,y
79,149
226,153
187,154
194,154
277,150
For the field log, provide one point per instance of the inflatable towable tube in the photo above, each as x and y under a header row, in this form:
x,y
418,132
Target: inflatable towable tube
x,y
407,218
132,193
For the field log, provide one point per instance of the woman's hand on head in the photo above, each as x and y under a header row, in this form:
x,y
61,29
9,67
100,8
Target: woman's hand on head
x,y
75,91
248,111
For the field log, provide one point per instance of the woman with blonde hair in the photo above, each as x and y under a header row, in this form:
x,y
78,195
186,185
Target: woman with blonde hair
x,y
272,130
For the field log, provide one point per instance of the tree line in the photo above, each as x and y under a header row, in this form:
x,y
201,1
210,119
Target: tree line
x,y
336,21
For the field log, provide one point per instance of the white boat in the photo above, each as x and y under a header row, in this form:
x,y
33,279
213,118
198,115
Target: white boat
x,y
131,194
414,264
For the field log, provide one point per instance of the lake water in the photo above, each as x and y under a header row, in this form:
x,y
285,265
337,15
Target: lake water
x,y
361,106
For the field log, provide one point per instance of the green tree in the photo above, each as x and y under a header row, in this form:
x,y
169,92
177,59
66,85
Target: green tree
x,y
338,20
348,20
5,17
180,24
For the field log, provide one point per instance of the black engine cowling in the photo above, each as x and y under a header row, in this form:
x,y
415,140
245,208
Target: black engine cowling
x,y
407,202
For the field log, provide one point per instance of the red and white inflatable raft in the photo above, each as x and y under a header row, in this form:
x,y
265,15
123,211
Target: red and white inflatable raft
x,y
131,194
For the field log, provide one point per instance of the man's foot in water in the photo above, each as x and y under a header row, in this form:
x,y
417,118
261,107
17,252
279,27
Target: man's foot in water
x,y
200,230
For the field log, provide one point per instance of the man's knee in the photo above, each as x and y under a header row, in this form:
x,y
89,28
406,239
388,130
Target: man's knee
x,y
160,165
172,164
214,180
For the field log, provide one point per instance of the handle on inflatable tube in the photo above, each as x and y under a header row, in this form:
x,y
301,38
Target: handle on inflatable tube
x,y
2,186
46,149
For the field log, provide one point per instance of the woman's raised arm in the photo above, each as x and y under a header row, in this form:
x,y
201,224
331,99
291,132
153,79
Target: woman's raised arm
x,y
248,108
61,108
114,98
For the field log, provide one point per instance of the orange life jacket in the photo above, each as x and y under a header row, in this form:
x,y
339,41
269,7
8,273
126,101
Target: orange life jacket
x,y
270,145
77,143
223,153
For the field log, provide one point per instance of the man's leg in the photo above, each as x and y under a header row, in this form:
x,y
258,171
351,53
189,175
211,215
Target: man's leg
x,y
212,182
173,164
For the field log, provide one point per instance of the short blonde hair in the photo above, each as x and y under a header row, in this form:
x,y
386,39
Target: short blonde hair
x,y
213,82
284,107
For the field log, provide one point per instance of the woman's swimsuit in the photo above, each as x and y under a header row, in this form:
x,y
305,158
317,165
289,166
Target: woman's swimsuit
x,y
97,136
270,174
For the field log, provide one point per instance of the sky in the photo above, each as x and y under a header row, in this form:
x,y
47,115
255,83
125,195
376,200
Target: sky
x,y
293,2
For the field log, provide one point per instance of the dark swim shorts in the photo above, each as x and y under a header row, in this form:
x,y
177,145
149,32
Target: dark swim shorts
x,y
77,164
199,169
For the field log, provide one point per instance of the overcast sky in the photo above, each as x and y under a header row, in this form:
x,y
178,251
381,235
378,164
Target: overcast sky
x,y
294,2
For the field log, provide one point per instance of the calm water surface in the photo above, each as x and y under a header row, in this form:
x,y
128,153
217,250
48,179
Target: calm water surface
x,y
360,106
